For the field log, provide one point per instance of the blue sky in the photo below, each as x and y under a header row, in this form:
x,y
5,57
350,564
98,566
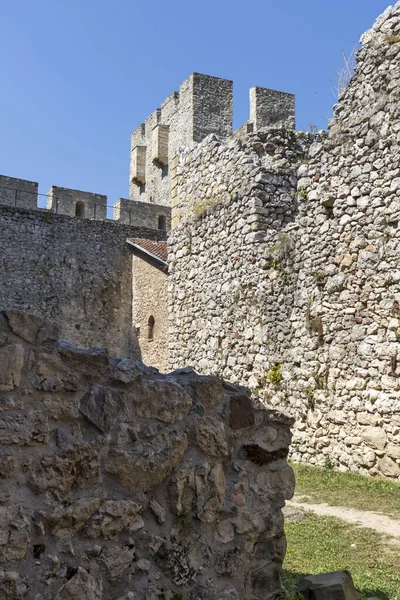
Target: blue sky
x,y
78,75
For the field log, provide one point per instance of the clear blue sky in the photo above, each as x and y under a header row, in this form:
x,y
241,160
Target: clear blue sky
x,y
78,75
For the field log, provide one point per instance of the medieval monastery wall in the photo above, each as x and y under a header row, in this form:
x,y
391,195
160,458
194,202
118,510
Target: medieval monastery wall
x,y
77,272
298,295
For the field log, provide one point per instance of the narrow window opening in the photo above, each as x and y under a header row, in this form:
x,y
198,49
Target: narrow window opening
x,y
164,171
162,222
137,328
150,329
142,188
79,209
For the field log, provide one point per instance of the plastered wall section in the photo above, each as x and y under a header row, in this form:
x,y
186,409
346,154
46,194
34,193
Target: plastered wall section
x,y
150,291
74,271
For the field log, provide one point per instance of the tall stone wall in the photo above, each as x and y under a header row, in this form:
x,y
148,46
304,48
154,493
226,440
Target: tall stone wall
x,y
120,483
77,272
298,295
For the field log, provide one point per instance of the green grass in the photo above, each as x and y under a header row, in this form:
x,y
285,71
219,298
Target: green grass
x,y
323,544
348,489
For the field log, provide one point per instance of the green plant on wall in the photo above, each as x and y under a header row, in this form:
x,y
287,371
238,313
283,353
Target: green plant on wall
x,y
275,374
319,277
185,520
392,39
303,193
309,394
314,323
199,208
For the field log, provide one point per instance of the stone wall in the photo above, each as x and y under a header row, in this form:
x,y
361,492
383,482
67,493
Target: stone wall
x,y
298,295
75,271
150,291
19,193
203,106
76,203
120,483
142,214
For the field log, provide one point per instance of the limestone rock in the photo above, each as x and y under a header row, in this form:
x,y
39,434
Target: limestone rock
x,y
164,400
209,389
12,586
11,365
113,517
77,467
91,362
211,437
116,560
67,520
101,406
388,467
374,436
328,586
24,428
82,586
149,465
15,534
24,325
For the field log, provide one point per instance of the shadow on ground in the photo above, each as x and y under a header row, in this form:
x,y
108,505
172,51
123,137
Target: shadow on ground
x,y
290,578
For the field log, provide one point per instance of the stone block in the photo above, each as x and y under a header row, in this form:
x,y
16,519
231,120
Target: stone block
x,y
328,586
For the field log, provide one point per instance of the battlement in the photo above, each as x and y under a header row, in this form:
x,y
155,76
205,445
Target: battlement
x,y
202,106
21,193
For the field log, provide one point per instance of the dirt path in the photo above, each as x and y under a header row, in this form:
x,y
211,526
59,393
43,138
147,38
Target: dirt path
x,y
381,523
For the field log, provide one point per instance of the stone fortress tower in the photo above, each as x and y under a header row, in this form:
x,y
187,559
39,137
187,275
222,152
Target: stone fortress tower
x,y
203,106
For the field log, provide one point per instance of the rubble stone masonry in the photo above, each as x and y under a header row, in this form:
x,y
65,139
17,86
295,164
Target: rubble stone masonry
x,y
284,267
120,483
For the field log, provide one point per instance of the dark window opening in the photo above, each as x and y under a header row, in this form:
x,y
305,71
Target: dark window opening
x,y
164,171
162,222
79,209
137,332
142,188
150,329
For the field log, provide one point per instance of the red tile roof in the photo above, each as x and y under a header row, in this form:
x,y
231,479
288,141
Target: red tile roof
x,y
157,249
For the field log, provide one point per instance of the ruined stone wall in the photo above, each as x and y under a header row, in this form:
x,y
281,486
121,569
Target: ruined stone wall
x,y
305,309
349,242
75,271
121,483
149,299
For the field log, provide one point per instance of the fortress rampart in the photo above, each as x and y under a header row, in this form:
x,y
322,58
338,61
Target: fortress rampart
x,y
283,267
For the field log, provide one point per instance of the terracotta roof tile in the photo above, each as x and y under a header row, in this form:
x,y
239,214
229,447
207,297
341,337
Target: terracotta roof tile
x,y
158,249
